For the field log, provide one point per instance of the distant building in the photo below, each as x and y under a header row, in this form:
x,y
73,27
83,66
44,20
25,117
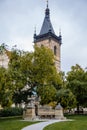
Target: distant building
x,y
4,58
48,38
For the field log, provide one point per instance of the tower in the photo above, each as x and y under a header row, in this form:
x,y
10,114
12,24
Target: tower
x,y
48,38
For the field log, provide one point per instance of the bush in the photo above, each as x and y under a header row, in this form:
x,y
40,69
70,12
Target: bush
x,y
11,112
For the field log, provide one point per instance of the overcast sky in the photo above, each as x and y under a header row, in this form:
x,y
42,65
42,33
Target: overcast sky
x,y
19,17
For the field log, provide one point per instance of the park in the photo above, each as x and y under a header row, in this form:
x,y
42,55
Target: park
x,y
70,91
35,93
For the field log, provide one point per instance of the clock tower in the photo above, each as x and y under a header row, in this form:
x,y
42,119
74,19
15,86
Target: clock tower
x,y
48,38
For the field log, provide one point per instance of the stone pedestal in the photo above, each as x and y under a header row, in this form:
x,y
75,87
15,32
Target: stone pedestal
x,y
59,112
29,113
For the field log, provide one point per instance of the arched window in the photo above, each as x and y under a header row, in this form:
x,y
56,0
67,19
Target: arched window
x,y
55,50
41,45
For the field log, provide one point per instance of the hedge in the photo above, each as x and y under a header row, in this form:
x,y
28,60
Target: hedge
x,y
11,112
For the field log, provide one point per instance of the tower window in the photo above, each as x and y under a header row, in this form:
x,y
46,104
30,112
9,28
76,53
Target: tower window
x,y
41,45
55,50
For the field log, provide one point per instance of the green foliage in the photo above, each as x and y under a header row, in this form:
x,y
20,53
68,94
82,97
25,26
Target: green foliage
x,y
3,47
32,70
5,88
47,94
11,112
27,69
44,67
77,82
66,98
27,72
45,74
14,69
63,78
16,74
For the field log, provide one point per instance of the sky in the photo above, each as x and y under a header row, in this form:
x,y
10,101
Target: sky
x,y
18,19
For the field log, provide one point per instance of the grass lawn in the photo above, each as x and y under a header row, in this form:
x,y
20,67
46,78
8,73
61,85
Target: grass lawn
x,y
79,123
13,124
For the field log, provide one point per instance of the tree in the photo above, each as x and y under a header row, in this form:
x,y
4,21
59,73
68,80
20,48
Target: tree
x,y
47,94
77,82
32,70
18,79
27,69
66,98
63,78
5,88
44,68
21,71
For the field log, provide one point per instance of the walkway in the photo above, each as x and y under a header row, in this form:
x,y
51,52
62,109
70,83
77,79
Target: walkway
x,y
41,125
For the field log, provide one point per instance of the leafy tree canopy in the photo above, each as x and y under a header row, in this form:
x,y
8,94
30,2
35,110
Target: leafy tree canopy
x,y
66,98
77,82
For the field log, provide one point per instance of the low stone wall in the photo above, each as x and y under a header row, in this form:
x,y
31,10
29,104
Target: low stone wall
x,y
46,113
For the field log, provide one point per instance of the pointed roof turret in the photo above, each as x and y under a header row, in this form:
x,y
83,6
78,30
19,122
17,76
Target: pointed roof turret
x,y
35,32
47,30
47,26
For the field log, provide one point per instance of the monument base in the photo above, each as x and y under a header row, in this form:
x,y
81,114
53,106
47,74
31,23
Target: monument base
x,y
29,113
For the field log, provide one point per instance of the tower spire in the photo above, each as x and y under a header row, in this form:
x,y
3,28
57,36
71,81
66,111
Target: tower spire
x,y
59,31
47,3
60,36
35,30
34,33
47,11
47,26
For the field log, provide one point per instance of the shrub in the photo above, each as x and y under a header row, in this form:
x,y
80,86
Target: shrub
x,y
11,112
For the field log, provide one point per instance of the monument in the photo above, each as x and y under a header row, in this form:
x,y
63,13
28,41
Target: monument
x,y
44,112
59,112
29,111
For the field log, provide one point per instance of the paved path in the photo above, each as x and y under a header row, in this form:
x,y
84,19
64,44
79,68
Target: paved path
x,y
41,125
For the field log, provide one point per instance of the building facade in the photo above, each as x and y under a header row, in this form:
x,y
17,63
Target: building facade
x,y
4,57
48,38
